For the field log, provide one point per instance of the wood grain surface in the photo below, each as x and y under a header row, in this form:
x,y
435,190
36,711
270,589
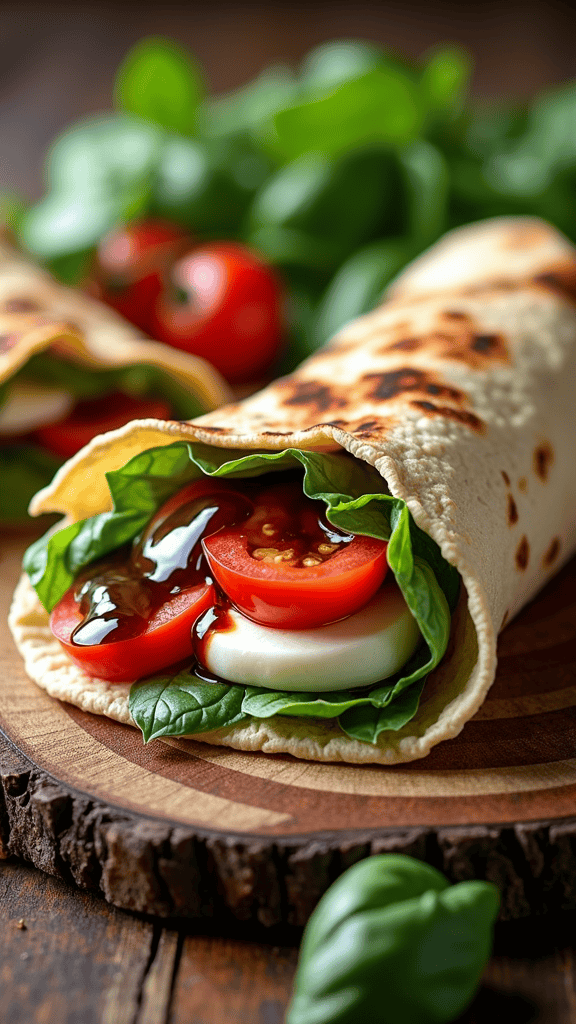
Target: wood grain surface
x,y
70,958
184,829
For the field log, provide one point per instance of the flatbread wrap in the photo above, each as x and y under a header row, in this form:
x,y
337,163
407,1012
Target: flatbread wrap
x,y
66,358
457,396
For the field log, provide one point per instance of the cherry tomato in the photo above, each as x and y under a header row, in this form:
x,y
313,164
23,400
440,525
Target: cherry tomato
x,y
130,262
166,640
281,568
224,304
96,416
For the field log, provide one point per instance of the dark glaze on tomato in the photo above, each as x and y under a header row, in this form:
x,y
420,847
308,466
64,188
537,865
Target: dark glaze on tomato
x,y
282,527
216,620
117,602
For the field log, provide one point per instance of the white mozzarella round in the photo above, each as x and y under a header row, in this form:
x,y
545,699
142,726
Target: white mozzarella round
x,y
29,405
368,646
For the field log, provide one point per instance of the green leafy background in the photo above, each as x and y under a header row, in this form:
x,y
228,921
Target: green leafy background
x,y
338,171
352,492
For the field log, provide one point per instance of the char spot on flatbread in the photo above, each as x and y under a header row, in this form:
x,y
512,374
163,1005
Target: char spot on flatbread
x,y
403,345
552,553
523,554
522,484
505,477
543,459
561,280
486,342
368,425
314,394
216,430
454,314
20,304
468,419
512,511
391,384
8,341
276,433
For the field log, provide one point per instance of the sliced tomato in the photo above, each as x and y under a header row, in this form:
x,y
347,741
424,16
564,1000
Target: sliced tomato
x,y
166,639
96,416
295,597
166,558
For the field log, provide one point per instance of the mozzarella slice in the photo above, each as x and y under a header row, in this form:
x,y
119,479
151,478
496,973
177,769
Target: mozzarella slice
x,y
29,405
368,646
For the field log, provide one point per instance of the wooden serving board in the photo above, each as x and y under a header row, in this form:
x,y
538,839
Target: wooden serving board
x,y
181,828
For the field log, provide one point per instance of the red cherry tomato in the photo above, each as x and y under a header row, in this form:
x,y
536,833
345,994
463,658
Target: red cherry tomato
x,y
130,262
307,593
96,416
166,640
223,304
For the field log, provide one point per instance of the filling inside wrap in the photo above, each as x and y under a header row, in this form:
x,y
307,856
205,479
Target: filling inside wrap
x,y
260,581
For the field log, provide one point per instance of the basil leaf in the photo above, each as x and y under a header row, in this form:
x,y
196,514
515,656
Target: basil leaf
x,y
263,703
161,83
24,469
381,106
391,941
181,705
102,156
445,79
61,224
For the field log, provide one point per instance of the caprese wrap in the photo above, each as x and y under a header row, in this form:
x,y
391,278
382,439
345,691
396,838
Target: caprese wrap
x,y
323,568
71,368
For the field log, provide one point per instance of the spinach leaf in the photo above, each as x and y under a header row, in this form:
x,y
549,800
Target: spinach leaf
x,y
391,941
182,704
429,584
161,83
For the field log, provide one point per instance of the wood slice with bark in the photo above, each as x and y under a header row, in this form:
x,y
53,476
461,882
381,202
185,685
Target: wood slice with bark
x,y
179,828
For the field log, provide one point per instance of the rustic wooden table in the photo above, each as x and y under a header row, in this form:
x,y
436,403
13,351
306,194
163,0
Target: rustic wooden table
x,y
67,957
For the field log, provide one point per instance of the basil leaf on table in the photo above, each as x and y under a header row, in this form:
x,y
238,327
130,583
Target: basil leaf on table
x,y
391,941
429,584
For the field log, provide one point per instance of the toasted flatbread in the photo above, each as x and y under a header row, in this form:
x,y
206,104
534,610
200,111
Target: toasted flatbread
x,y
459,389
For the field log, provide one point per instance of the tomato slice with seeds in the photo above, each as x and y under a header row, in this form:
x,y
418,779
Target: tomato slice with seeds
x,y
165,641
132,614
286,566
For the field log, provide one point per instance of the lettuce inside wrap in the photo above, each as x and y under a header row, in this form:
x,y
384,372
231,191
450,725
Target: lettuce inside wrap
x,y
353,492
25,466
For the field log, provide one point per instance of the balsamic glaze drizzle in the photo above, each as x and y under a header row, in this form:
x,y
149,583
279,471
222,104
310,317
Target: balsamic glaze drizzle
x,y
119,596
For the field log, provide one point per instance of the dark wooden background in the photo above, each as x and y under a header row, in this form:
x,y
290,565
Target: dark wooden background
x,y
57,60
68,958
